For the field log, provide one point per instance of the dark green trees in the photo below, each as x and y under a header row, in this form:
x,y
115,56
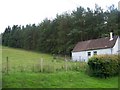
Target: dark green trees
x,y
60,35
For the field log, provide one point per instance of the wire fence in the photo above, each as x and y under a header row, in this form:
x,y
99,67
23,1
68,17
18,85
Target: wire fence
x,y
43,66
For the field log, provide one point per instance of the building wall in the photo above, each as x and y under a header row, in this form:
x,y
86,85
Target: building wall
x,y
0,39
116,46
83,55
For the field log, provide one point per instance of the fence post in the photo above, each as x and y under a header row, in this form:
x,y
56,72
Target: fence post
x,y
54,67
33,69
65,63
7,64
41,65
21,68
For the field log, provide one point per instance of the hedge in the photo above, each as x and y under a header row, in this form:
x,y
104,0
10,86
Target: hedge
x,y
104,65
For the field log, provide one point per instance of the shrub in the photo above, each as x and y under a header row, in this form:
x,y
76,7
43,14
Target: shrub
x,y
104,65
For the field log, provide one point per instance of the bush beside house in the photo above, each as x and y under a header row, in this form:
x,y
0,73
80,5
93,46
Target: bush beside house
x,y
104,65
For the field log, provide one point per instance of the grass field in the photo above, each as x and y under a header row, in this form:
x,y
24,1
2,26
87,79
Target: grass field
x,y
0,66
24,71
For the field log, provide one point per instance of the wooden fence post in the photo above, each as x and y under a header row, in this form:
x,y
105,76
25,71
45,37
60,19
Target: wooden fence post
x,y
33,69
41,65
65,63
54,66
21,68
7,64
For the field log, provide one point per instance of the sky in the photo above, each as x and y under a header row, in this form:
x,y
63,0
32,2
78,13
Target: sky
x,y
22,12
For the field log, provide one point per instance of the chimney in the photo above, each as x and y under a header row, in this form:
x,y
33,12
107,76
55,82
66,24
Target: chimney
x,y
111,36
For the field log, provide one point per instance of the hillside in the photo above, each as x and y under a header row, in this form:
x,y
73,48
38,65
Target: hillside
x,y
24,72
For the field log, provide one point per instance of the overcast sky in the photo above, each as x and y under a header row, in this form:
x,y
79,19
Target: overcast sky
x,y
22,12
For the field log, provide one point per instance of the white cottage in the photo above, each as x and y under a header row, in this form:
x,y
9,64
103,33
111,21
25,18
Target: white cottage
x,y
86,49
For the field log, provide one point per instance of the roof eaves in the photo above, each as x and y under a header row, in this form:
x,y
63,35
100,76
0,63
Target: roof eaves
x,y
93,49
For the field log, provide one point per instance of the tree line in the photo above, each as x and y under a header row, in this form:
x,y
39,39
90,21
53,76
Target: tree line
x,y
60,35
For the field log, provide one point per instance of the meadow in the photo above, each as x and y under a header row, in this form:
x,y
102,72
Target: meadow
x,y
27,69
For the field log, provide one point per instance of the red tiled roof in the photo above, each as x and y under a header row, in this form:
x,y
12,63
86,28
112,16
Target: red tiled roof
x,y
100,43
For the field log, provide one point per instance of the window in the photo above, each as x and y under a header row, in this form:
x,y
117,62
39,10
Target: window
x,y
95,52
89,53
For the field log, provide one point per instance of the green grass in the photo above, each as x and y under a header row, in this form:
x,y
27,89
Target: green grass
x,y
69,79
0,66
74,77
